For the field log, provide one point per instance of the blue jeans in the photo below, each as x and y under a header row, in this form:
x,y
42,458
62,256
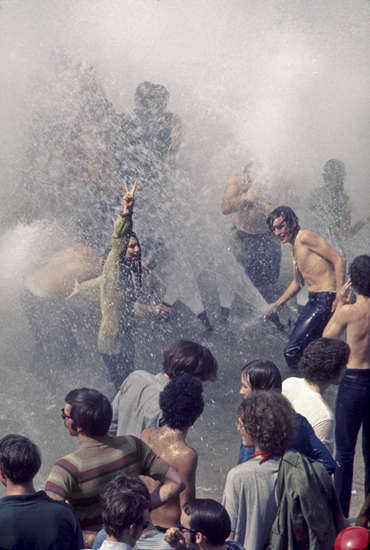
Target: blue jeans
x,y
352,410
310,323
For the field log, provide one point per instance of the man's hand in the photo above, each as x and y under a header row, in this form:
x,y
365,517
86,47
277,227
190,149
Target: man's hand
x,y
343,296
161,310
175,538
129,198
75,290
271,312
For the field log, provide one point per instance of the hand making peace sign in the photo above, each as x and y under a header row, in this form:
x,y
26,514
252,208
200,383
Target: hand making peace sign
x,y
129,197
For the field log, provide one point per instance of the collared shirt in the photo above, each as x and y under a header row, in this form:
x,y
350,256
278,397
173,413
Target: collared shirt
x,y
136,405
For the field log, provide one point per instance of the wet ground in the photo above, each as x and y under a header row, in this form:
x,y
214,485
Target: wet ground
x,y
35,381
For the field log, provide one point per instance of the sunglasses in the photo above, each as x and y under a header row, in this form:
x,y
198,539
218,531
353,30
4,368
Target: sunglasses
x,y
182,528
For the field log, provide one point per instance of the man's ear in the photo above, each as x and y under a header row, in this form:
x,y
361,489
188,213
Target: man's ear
x,y
199,537
3,477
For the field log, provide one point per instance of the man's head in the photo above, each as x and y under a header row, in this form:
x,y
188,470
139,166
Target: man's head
x,y
187,357
334,173
181,402
204,520
266,420
283,223
324,361
20,459
151,97
133,250
359,271
87,411
125,508
259,375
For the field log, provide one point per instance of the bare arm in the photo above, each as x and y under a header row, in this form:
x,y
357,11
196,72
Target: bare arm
x,y
234,196
339,320
171,486
187,470
289,292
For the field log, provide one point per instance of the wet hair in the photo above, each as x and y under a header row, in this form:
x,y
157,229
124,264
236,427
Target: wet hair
x,y
263,375
181,402
288,215
187,357
146,93
269,419
359,271
90,410
123,501
324,359
334,169
209,518
20,458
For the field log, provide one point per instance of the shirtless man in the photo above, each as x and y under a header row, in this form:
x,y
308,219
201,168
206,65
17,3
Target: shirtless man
x,y
318,265
181,403
255,249
353,398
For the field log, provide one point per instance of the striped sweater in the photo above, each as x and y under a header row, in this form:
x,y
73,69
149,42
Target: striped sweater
x,y
81,476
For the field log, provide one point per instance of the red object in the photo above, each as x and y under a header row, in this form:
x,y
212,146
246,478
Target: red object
x,y
352,538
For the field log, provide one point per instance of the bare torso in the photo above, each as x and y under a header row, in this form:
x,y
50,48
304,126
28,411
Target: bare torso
x,y
317,272
171,447
358,333
56,275
247,204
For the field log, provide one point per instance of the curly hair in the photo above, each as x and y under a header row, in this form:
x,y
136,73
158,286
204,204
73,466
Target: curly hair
x,y
323,360
181,402
123,502
359,271
269,419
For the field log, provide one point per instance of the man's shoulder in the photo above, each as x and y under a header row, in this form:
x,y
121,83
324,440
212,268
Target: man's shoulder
x,y
39,501
143,378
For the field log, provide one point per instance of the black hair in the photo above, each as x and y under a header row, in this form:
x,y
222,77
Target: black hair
x,y
288,215
90,410
263,375
181,402
209,518
20,458
359,271
269,419
187,357
324,359
124,501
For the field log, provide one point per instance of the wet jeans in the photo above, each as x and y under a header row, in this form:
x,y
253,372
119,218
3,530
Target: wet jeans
x,y
121,365
259,255
309,325
352,410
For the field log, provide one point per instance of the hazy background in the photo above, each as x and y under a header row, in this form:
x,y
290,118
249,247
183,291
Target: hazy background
x,y
284,83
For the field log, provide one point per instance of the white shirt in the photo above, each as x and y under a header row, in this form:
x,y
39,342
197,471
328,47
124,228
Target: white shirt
x,y
310,404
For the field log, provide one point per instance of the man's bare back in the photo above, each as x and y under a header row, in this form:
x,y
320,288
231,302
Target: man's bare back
x,y
170,445
355,320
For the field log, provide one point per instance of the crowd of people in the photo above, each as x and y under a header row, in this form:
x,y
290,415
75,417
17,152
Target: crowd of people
x,y
131,481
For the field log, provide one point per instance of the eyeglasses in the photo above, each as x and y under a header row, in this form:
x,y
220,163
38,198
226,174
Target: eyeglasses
x,y
63,414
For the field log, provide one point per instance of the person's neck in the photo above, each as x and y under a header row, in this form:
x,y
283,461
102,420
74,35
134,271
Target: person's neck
x,y
294,236
16,489
175,433
318,388
205,546
125,539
